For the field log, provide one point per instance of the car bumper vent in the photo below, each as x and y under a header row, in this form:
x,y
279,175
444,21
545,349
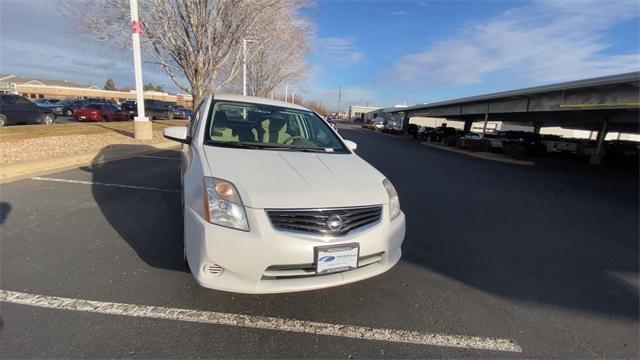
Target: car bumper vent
x,y
213,269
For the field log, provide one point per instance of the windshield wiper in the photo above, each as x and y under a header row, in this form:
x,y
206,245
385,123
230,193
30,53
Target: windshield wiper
x,y
236,144
294,148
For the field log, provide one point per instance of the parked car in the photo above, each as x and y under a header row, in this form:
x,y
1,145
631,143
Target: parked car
x,y
47,103
129,105
392,127
274,200
154,109
333,124
440,133
66,107
100,112
103,101
180,112
368,125
423,132
14,109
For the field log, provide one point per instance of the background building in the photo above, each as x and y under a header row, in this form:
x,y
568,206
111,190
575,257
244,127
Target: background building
x,y
361,113
62,89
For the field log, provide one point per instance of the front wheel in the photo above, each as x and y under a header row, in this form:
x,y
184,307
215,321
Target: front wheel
x,y
3,121
68,112
46,119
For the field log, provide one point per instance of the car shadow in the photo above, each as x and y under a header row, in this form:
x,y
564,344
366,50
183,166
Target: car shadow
x,y
563,236
5,209
121,132
147,215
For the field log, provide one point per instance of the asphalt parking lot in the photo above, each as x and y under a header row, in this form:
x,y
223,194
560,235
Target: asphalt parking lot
x,y
544,256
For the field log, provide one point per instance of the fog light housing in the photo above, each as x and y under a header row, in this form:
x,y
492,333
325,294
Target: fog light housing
x,y
213,269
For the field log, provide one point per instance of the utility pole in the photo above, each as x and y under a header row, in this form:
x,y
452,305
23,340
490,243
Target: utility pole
x,y
286,92
293,97
339,98
142,127
244,65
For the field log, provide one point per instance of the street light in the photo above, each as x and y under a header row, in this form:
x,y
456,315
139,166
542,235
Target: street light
x,y
286,92
244,65
142,127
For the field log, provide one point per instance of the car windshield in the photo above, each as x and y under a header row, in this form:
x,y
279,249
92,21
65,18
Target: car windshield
x,y
268,127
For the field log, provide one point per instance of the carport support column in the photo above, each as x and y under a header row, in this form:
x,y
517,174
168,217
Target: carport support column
x,y
142,127
596,159
484,126
405,123
467,126
536,127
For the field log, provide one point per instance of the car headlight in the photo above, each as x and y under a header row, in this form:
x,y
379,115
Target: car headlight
x,y
222,204
394,201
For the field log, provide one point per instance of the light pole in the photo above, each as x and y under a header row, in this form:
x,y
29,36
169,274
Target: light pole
x,y
286,92
244,65
142,127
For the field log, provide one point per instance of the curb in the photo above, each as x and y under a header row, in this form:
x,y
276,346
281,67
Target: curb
x,y
480,155
31,168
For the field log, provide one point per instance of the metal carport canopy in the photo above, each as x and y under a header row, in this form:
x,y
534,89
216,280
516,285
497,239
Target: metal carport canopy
x,y
582,104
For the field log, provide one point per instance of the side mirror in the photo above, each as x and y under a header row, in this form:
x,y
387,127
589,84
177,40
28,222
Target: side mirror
x,y
351,145
176,133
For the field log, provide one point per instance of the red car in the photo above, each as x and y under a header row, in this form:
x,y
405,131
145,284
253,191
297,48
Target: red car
x,y
100,112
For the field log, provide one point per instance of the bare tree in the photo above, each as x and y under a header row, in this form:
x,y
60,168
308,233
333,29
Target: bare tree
x,y
197,42
279,56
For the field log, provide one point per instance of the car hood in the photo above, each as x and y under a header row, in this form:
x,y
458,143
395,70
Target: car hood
x,y
288,179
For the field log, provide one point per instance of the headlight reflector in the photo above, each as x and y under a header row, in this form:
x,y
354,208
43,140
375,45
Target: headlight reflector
x,y
394,201
223,206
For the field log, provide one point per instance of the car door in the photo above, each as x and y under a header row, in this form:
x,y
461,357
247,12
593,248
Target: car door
x,y
9,108
25,110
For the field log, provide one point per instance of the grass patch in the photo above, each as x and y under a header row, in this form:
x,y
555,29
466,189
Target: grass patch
x,y
21,132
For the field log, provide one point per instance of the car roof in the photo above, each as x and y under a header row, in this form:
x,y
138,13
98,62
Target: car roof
x,y
257,100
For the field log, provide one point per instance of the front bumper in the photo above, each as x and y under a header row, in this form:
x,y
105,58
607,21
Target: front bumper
x,y
248,257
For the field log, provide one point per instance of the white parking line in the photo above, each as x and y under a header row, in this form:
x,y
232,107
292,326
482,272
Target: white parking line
x,y
136,187
261,322
158,157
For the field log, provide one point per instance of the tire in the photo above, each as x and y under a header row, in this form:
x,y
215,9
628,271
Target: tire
x,y
170,115
68,112
46,119
3,121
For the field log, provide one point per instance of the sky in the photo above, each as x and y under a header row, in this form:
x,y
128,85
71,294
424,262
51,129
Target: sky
x,y
380,53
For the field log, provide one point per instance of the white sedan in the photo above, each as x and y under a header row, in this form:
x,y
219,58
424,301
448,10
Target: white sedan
x,y
274,200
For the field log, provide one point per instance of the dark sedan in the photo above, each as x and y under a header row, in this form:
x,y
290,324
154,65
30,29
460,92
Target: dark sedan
x,y
66,107
14,109
180,112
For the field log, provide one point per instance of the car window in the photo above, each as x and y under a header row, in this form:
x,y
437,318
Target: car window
x,y
15,100
264,126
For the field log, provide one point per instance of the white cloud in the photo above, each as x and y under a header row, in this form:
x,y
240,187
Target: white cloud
x,y
338,51
541,42
401,12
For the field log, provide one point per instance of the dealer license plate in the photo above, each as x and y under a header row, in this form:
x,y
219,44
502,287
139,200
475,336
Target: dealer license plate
x,y
336,258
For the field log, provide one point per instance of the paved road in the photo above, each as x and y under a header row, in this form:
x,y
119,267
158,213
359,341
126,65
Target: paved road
x,y
546,256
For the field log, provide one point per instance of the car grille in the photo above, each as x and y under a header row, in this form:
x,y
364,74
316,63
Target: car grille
x,y
318,221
